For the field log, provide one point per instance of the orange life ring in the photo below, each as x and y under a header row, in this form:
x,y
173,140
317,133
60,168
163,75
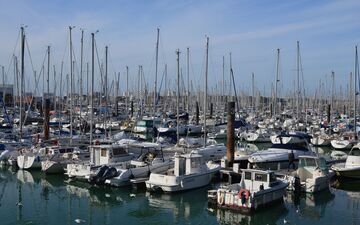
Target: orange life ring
x,y
247,193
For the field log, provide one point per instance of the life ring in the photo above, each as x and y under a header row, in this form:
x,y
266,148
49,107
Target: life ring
x,y
246,191
221,198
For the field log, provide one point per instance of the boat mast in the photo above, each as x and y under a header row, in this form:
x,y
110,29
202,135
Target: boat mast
x,y
156,70
188,78
253,92
178,94
356,74
48,71
298,79
206,86
81,72
92,86
3,81
71,86
277,80
22,79
127,91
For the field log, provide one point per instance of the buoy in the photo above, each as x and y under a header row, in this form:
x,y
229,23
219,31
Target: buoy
x,y
133,195
79,221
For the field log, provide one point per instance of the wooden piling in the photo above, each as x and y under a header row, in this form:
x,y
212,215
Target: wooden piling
x,y
328,111
230,133
46,119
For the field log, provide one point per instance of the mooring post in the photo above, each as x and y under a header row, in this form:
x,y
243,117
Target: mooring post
x,y
46,119
230,133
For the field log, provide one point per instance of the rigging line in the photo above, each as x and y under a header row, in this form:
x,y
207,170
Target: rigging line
x,y
65,50
99,64
11,57
31,62
162,48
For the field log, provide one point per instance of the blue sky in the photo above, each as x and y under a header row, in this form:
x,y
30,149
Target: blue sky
x,y
251,29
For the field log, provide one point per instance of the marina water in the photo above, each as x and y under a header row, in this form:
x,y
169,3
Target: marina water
x,y
30,197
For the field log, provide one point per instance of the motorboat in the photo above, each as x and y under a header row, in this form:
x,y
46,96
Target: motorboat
x,y
261,135
214,152
277,156
111,155
346,141
256,189
149,161
311,176
351,167
190,171
60,156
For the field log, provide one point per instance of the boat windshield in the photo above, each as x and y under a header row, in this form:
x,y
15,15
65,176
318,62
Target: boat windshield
x,y
295,146
355,152
310,162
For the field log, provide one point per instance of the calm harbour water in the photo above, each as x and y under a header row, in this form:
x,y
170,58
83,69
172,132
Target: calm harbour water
x,y
53,200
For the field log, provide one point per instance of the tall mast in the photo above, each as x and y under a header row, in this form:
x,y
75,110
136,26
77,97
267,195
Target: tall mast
x,y
3,81
223,79
106,74
188,77
71,87
48,71
277,80
356,74
206,86
127,91
333,89
106,86
81,70
178,94
253,92
92,86
156,70
22,78
297,79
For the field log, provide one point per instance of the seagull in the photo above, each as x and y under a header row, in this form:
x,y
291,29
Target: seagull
x,y
210,209
79,221
19,204
133,195
286,221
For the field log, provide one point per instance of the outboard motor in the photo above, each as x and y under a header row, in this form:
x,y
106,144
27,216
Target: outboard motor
x,y
99,173
297,184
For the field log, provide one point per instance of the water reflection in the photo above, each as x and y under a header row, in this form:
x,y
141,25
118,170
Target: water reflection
x,y
268,215
187,205
310,206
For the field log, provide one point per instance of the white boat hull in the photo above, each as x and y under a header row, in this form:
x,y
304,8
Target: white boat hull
x,y
174,184
28,162
140,172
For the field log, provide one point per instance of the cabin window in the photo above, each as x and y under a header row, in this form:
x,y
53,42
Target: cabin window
x,y
272,177
103,152
119,151
141,123
247,176
195,162
260,177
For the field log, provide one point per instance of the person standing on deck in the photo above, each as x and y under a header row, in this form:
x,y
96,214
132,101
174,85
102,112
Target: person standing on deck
x,y
291,160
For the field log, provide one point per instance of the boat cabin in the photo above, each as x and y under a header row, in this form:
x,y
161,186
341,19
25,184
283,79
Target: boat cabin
x,y
255,180
186,164
57,150
107,154
146,125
